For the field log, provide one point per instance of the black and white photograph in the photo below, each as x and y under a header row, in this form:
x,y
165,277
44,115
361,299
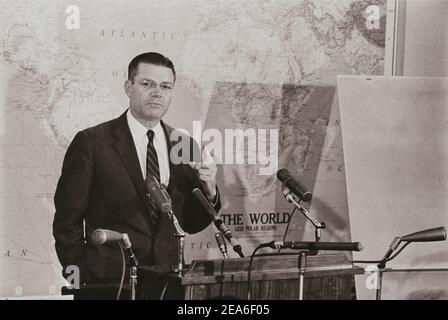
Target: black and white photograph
x,y
247,151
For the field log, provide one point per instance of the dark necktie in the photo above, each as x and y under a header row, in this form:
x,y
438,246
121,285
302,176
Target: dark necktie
x,y
152,163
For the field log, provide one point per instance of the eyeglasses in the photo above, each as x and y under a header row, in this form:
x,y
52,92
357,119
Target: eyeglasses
x,y
151,84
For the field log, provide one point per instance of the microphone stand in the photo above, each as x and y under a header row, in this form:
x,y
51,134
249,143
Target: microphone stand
x,y
132,262
302,268
382,265
317,233
180,235
317,225
133,281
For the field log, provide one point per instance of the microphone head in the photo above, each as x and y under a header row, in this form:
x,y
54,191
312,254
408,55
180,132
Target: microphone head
x,y
359,246
151,179
434,234
99,237
295,186
283,175
205,204
198,194
102,236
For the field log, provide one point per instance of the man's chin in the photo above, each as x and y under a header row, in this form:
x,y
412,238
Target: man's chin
x,y
154,115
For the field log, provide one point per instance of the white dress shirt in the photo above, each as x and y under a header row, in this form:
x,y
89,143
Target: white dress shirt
x,y
138,132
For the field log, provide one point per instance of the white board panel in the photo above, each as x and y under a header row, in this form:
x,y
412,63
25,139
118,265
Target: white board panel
x,y
395,141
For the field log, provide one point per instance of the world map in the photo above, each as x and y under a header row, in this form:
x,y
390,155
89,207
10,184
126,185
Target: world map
x,y
255,64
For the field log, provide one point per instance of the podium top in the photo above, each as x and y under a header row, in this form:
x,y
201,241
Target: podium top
x,y
265,267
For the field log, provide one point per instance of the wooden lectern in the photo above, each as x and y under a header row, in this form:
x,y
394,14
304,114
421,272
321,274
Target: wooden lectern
x,y
273,277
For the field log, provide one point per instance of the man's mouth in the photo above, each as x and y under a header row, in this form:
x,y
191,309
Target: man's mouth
x,y
157,104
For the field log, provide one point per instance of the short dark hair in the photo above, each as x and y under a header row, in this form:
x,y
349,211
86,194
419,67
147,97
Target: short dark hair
x,y
152,58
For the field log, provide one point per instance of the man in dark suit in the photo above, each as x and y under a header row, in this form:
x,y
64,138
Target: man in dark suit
x,y
102,181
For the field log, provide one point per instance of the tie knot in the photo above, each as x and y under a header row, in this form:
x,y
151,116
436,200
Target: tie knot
x,y
150,135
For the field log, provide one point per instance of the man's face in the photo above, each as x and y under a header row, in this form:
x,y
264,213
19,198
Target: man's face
x,y
150,94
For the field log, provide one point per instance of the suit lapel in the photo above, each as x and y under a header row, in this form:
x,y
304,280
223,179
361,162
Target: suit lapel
x,y
173,168
126,149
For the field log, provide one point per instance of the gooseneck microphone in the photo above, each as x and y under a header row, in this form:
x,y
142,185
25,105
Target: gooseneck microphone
x,y
161,200
218,222
103,236
428,235
294,185
434,234
306,245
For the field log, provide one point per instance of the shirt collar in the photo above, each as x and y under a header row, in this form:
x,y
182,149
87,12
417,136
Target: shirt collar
x,y
139,131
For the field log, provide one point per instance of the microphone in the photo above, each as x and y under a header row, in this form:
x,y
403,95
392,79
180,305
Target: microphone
x,y
205,204
218,222
434,234
304,245
102,236
158,195
221,244
292,184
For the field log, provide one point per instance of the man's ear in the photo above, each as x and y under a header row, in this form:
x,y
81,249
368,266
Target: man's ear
x,y
127,88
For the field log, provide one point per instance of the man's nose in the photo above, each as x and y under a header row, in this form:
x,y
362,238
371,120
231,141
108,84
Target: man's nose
x,y
156,92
